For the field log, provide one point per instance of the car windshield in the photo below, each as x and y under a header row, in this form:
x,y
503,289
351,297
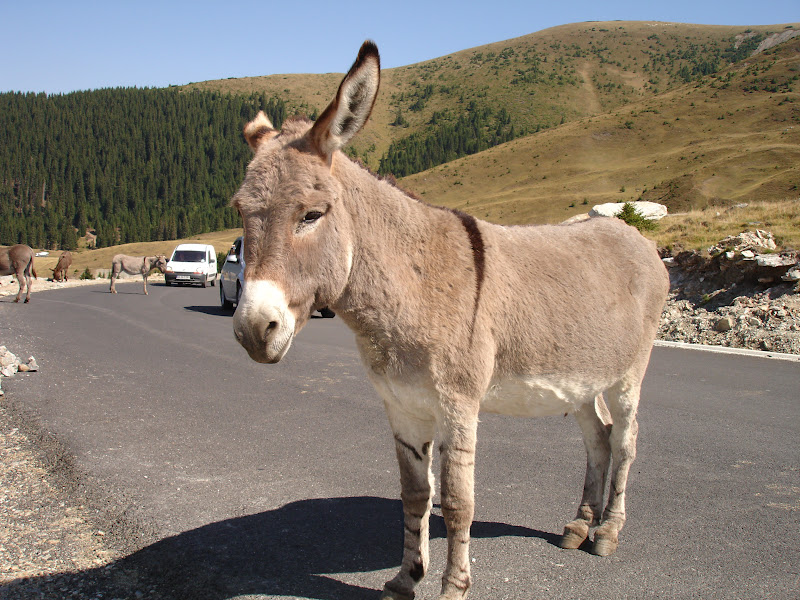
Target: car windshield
x,y
189,256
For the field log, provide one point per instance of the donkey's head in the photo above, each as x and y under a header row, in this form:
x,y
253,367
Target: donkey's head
x,y
160,263
298,243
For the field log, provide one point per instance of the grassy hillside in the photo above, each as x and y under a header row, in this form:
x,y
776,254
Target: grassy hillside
x,y
726,139
558,75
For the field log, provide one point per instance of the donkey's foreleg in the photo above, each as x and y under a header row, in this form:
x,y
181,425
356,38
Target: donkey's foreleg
x,y
595,423
623,400
144,283
113,279
458,500
413,440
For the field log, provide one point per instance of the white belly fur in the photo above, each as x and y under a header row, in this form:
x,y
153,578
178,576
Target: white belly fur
x,y
530,396
538,396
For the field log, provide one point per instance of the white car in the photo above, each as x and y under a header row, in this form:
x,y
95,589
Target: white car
x,y
192,263
231,279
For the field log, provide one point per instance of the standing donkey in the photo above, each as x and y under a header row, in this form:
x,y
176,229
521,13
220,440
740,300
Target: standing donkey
x,y
136,264
18,260
452,315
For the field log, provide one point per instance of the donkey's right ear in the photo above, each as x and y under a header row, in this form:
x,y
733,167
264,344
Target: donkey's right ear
x,y
259,130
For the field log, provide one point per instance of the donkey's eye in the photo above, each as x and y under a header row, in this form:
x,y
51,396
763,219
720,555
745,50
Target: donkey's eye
x,y
311,216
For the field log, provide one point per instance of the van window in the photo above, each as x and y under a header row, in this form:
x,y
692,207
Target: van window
x,y
189,256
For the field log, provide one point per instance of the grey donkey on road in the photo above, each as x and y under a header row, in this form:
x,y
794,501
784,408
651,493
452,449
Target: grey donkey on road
x,y
136,264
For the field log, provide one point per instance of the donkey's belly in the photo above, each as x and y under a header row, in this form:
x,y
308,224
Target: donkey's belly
x,y
538,396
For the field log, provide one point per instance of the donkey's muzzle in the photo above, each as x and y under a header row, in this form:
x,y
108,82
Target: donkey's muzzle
x,y
263,323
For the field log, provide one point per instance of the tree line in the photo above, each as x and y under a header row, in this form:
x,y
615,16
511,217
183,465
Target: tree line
x,y
132,164
447,138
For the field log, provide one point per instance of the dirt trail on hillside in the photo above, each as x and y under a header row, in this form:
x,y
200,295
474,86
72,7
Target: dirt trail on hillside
x,y
593,105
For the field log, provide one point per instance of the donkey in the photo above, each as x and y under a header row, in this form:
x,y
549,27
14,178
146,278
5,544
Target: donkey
x,y
18,260
64,261
136,264
452,315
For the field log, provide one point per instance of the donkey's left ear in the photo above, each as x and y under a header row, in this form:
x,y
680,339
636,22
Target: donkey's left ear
x,y
349,111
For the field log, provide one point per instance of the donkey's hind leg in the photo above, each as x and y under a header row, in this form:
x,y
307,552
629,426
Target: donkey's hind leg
x,y
623,402
595,422
413,440
22,281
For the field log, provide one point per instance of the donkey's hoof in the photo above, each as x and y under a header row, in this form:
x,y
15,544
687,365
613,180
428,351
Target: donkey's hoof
x,y
575,533
604,546
388,594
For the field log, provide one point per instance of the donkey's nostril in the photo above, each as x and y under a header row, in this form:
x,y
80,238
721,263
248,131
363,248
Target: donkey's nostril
x,y
271,326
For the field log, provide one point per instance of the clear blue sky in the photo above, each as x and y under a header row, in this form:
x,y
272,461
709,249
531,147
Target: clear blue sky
x,y
58,46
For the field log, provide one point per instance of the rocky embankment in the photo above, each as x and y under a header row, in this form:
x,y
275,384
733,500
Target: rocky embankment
x,y
739,293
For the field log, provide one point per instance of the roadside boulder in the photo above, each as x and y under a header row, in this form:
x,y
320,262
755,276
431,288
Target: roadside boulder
x,y
648,210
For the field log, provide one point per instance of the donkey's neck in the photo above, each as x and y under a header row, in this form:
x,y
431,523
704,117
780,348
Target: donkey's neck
x,y
412,262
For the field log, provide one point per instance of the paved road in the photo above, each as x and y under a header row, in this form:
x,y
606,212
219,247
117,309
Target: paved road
x,y
280,482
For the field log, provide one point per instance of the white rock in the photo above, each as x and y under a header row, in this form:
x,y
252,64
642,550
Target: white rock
x,y
649,210
792,274
775,260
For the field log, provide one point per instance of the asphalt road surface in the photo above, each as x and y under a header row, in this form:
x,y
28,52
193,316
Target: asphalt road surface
x,y
229,479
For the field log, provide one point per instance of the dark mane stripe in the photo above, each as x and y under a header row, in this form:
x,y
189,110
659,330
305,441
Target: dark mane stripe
x,y
478,256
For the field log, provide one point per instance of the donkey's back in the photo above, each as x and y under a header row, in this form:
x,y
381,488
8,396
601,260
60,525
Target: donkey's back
x,y
574,310
584,289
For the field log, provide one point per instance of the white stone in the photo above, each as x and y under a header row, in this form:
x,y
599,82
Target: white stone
x,y
775,260
649,210
792,274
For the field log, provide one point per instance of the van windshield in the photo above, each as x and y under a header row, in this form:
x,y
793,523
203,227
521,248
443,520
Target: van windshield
x,y
189,256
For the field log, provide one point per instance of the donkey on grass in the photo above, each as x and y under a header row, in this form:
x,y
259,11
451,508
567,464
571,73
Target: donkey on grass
x,y
133,265
452,315
18,260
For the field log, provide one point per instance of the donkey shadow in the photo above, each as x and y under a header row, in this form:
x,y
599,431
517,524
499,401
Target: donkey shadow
x,y
283,552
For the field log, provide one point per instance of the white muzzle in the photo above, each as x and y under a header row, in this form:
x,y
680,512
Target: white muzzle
x,y
263,323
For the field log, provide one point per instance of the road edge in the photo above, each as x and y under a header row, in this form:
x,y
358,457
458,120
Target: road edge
x,y
728,350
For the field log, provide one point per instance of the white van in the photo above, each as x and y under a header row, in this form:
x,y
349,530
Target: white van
x,y
192,263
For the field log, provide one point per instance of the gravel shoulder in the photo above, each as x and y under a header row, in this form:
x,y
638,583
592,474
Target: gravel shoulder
x,y
55,539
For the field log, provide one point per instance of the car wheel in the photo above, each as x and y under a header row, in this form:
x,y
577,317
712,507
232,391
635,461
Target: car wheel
x,y
327,313
167,282
213,281
238,294
223,301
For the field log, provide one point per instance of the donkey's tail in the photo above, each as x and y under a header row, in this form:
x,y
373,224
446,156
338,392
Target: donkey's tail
x,y
32,270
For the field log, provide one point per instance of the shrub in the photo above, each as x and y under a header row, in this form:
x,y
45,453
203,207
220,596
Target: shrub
x,y
632,216
87,274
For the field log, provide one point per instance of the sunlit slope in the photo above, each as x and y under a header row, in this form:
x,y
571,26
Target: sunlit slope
x,y
542,80
730,138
